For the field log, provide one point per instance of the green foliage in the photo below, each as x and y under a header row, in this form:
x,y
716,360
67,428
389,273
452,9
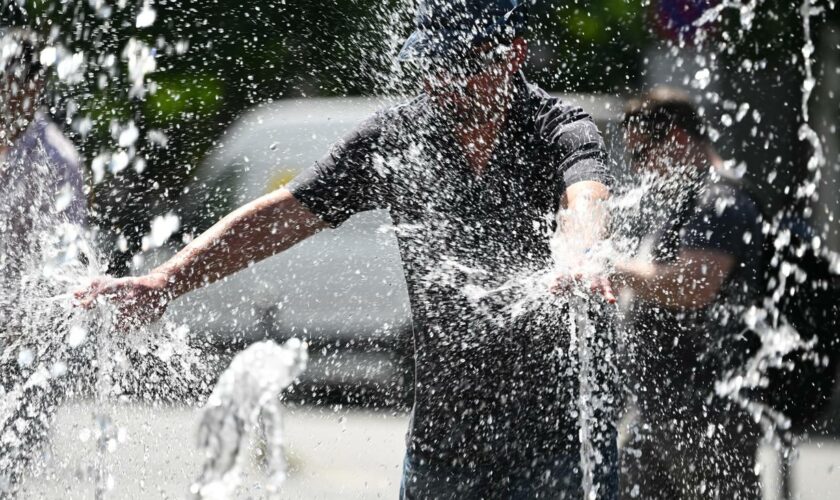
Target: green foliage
x,y
592,46
186,97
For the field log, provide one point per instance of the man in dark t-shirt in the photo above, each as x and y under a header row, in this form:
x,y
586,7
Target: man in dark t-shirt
x,y
474,173
690,295
473,378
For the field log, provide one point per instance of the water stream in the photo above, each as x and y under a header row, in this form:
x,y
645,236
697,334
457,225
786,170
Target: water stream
x,y
246,400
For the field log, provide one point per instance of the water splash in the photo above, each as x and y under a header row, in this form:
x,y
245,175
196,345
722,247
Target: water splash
x,y
246,398
111,358
589,349
777,337
53,351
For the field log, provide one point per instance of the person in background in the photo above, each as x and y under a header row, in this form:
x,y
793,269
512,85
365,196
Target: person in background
x,y
41,190
40,170
474,172
704,269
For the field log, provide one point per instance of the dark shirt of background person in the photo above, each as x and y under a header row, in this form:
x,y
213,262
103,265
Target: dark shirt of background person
x,y
703,271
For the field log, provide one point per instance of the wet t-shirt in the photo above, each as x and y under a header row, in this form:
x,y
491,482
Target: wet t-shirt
x,y
682,353
485,390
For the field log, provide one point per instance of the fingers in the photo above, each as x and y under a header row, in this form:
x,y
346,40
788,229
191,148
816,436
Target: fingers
x,y
136,304
86,297
104,286
564,283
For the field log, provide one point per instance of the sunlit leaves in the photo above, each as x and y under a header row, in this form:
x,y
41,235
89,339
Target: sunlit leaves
x,y
184,98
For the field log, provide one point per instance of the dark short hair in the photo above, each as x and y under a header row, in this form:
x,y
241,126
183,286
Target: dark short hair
x,y
657,111
25,63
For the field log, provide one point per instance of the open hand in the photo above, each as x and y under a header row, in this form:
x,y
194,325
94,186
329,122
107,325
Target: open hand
x,y
139,300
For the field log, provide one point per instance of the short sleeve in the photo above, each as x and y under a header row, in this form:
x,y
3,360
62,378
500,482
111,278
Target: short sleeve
x,y
729,223
575,144
344,182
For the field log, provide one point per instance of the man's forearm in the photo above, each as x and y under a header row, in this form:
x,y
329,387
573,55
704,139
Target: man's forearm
x,y
585,218
258,230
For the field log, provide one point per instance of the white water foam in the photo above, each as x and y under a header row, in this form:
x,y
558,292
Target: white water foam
x,y
247,398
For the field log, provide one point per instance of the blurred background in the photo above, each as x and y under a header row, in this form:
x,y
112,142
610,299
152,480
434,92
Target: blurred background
x,y
183,109
214,60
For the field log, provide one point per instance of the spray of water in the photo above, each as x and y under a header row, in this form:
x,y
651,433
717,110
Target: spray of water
x,y
247,398
53,351
587,325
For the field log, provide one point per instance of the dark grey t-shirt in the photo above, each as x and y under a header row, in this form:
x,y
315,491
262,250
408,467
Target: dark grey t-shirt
x,y
483,390
682,353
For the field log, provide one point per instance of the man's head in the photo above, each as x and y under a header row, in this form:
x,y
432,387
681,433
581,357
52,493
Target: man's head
x,y
467,50
663,130
22,80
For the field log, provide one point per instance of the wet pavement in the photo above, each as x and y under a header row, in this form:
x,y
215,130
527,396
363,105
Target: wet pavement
x,y
346,454
334,453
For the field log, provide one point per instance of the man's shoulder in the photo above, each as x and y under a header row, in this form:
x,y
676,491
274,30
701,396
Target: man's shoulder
x,y
552,116
540,100
391,115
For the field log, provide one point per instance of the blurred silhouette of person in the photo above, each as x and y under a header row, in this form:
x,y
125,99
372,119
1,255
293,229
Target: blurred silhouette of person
x,y
40,170
474,172
41,189
705,268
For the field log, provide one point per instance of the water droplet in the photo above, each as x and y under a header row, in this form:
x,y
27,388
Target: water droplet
x,y
146,17
25,358
76,336
702,78
128,136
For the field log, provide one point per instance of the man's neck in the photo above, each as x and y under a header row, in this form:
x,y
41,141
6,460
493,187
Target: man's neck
x,y
478,142
479,132
698,160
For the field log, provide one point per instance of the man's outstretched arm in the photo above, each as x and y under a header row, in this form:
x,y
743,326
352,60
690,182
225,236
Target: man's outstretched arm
x,y
582,225
253,232
249,234
585,216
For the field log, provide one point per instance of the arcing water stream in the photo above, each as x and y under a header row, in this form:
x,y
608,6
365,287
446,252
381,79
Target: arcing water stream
x,y
780,340
247,399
